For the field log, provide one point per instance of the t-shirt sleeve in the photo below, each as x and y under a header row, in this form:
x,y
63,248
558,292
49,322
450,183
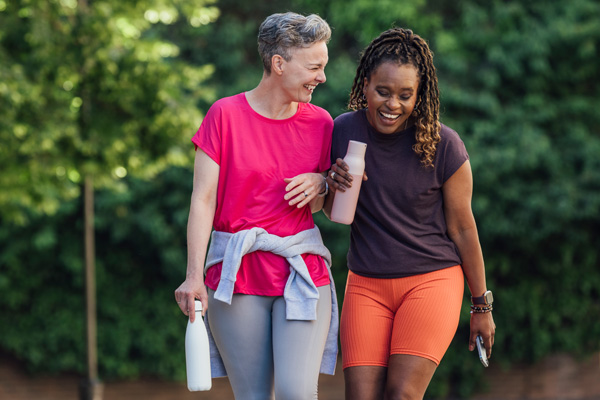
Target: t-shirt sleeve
x,y
454,153
325,163
208,137
338,138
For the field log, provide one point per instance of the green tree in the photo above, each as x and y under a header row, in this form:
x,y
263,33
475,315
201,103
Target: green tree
x,y
520,81
141,259
87,88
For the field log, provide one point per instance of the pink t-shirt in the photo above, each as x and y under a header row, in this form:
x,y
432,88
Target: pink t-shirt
x,y
255,154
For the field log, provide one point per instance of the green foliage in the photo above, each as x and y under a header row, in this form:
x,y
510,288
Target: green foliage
x,y
520,83
140,235
91,89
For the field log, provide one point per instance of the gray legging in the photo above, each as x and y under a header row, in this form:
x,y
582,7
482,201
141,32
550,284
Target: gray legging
x,y
265,354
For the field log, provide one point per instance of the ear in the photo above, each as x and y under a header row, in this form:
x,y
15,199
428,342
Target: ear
x,y
277,64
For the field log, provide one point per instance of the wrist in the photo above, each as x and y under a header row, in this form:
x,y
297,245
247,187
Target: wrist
x,y
487,299
325,189
482,309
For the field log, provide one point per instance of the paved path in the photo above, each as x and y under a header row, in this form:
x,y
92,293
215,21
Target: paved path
x,y
558,377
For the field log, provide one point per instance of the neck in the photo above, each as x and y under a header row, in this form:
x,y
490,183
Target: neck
x,y
268,100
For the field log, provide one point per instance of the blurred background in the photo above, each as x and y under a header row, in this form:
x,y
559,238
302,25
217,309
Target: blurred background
x,y
99,100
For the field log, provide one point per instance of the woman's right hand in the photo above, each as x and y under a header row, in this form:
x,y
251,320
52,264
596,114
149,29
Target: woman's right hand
x,y
339,178
186,294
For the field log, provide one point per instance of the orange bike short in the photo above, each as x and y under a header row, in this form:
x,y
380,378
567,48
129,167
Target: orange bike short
x,y
416,315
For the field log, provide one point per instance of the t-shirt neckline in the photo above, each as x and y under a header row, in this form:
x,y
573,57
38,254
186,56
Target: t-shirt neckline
x,y
270,120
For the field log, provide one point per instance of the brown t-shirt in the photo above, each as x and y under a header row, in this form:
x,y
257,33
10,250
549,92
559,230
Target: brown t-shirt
x,y
399,228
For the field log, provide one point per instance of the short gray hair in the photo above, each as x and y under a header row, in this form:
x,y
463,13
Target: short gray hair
x,y
280,33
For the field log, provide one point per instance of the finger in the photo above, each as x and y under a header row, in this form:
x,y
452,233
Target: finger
x,y
294,195
337,186
340,179
298,196
472,342
303,198
291,183
204,306
488,346
191,309
342,164
292,190
346,177
304,201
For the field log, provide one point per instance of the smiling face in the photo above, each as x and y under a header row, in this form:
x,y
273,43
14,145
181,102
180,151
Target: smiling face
x,y
304,71
391,93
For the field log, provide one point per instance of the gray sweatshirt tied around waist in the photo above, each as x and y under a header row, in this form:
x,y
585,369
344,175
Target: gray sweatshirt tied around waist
x,y
300,293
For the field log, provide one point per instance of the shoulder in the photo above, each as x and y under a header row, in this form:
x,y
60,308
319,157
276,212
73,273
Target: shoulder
x,y
447,133
451,151
226,104
347,118
449,137
317,112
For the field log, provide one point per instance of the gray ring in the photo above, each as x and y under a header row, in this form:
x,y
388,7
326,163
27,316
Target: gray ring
x,y
305,194
333,175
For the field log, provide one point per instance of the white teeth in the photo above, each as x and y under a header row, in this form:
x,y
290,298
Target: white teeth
x,y
310,87
390,116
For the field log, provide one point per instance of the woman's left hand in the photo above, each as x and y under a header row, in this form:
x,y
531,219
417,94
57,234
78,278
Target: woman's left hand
x,y
302,188
482,324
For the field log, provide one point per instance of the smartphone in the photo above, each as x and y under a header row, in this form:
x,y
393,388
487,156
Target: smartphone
x,y
481,351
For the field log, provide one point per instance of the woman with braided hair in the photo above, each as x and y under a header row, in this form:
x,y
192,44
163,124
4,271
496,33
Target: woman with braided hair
x,y
413,238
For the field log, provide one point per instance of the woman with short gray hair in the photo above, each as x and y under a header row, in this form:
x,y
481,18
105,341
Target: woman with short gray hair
x,y
281,33
265,282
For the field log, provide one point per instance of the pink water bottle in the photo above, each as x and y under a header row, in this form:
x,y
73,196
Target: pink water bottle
x,y
344,203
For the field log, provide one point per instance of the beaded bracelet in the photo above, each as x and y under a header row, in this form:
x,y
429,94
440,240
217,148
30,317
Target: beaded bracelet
x,y
481,310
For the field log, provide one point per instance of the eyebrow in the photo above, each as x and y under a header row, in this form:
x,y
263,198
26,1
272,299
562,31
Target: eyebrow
x,y
380,86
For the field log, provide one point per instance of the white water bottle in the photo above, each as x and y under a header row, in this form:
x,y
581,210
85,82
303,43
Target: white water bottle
x,y
344,203
197,353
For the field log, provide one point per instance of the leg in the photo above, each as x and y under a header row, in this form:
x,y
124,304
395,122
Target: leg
x,y
424,326
242,332
298,349
365,332
408,377
365,382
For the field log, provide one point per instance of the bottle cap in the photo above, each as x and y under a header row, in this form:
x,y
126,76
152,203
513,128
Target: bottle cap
x,y
198,306
358,148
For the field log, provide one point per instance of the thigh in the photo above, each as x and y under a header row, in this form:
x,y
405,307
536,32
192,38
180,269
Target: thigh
x,y
365,382
427,317
408,376
298,349
366,322
242,333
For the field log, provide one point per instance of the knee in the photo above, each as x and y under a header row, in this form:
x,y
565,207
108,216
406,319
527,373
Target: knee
x,y
402,392
295,392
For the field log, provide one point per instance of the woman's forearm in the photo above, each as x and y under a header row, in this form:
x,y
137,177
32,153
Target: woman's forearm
x,y
198,234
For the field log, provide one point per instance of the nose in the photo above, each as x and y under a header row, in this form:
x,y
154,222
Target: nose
x,y
393,102
321,76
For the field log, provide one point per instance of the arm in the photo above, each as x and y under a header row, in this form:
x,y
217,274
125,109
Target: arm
x,y
462,230
200,220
